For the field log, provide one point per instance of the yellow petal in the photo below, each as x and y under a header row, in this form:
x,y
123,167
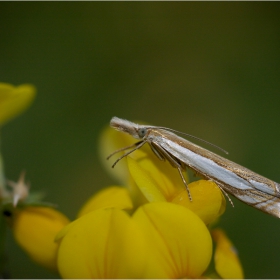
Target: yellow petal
x,y
180,244
135,193
208,201
14,100
114,196
157,180
111,140
227,263
105,243
34,229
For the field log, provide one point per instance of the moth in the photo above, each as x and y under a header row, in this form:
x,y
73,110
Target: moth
x,y
246,185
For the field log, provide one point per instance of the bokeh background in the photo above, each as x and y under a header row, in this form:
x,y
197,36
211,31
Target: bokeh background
x,y
209,69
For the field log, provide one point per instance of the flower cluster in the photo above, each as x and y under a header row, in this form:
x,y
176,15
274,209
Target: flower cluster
x,y
146,227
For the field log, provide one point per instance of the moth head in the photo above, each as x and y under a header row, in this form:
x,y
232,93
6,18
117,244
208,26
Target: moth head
x,y
135,130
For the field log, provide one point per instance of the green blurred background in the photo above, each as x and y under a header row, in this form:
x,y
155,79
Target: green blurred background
x,y
209,69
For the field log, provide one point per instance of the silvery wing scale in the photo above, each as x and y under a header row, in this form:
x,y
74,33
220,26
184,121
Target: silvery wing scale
x,y
246,185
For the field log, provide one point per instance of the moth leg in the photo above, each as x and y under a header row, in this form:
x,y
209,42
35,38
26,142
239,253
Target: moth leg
x,y
163,154
125,148
139,145
185,183
225,193
157,151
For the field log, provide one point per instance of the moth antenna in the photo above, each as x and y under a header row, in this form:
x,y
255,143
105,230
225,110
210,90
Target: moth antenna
x,y
192,136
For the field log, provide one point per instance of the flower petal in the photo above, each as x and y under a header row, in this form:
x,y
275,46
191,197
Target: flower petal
x,y
35,228
157,180
208,202
114,196
111,140
105,243
180,244
14,100
227,263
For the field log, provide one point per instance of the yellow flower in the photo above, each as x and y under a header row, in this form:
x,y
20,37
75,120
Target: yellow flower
x,y
14,100
34,229
149,229
157,241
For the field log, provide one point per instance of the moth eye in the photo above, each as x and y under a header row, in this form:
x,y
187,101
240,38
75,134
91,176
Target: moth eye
x,y
142,132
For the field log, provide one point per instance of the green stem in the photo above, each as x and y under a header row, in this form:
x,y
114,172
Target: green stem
x,y
2,178
3,258
3,190
3,224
